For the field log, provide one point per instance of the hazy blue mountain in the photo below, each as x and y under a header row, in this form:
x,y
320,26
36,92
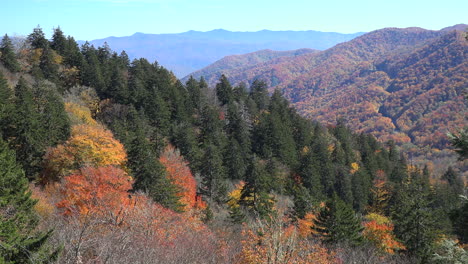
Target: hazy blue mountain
x,y
187,52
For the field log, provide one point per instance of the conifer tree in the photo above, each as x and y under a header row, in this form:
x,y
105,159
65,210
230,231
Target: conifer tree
x,y
337,222
6,106
415,223
19,243
8,56
259,94
224,90
310,174
255,194
72,54
54,119
37,39
149,174
59,41
29,138
213,173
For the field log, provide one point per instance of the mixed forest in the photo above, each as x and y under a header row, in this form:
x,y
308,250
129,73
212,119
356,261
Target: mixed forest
x,y
402,84
107,160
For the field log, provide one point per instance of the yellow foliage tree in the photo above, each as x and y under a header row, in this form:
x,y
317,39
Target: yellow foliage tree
x,y
79,114
88,146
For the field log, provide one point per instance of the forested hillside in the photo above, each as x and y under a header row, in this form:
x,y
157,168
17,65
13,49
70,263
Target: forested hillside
x,y
107,160
406,85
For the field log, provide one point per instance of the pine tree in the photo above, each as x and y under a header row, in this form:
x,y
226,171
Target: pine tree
x,y
8,56
337,222
18,241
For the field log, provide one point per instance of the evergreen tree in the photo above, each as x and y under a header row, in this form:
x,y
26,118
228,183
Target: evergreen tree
x,y
310,174
72,55
18,241
302,200
236,160
47,64
415,224
337,222
322,162
8,56
213,173
53,117
259,94
280,131
343,185
453,180
460,142
459,218
255,194
6,106
361,183
150,175
195,94
59,41
29,138
224,90
37,39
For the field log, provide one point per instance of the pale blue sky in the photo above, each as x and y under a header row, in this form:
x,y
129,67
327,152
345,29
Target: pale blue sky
x,y
92,19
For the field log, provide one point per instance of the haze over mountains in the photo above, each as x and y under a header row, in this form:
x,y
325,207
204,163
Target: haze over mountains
x,y
401,84
187,52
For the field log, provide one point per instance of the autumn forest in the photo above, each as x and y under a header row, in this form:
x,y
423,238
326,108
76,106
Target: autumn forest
x,y
104,159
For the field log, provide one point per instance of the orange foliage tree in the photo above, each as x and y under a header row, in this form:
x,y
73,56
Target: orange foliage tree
x,y
378,229
88,146
103,221
96,191
179,172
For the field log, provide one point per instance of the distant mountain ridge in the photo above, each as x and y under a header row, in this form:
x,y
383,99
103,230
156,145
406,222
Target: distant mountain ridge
x,y
187,52
401,84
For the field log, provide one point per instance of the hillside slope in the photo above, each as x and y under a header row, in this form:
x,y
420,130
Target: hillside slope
x,y
400,84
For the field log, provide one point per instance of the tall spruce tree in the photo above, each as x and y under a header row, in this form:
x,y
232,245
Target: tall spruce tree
x,y
29,136
8,56
337,222
6,106
224,90
37,39
150,175
213,173
415,224
59,41
255,195
19,242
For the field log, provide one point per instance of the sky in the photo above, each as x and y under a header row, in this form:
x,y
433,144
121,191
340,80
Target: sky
x,y
95,19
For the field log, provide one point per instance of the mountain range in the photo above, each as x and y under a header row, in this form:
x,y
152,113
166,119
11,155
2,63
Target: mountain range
x,y
187,52
406,85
